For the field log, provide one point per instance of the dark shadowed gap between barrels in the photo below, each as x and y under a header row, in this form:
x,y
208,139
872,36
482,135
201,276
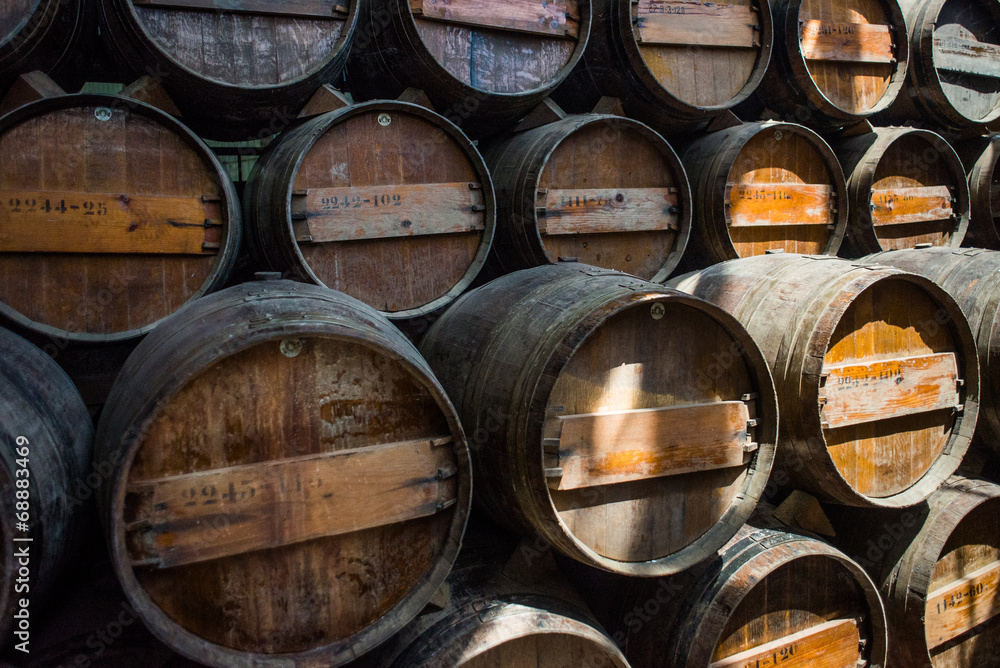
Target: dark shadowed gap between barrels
x,y
835,62
484,64
290,482
972,277
763,187
46,445
606,190
627,424
938,568
981,158
953,77
237,70
875,368
385,201
766,598
907,187
46,35
671,63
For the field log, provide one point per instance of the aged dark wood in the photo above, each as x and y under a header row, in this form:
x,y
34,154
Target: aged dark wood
x,y
290,482
907,187
47,445
672,63
237,71
981,158
482,63
531,357
607,190
47,35
113,216
762,187
876,371
385,201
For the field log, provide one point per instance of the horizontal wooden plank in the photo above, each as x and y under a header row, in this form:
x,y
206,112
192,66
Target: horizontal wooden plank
x,y
833,644
71,222
556,18
303,8
858,393
761,204
697,23
622,446
207,515
967,56
609,210
911,205
376,212
849,42
962,605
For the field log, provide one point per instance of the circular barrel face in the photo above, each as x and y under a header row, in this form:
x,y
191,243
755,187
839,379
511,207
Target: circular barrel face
x,y
704,54
250,44
287,497
614,195
650,424
393,208
966,56
113,216
546,650
890,388
512,47
782,194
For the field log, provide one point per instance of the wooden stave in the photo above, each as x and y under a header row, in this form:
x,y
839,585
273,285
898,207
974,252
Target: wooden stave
x,y
273,246
228,253
248,113
980,156
860,157
390,57
38,401
54,47
796,366
710,240
517,163
468,337
613,67
264,310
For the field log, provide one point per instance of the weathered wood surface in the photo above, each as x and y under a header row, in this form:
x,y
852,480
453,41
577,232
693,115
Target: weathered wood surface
x,y
832,644
911,205
554,18
757,204
303,8
981,59
595,211
962,605
854,42
702,24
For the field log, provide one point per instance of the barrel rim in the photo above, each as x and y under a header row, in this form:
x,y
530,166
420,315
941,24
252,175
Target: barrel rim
x,y
981,175
225,260
19,28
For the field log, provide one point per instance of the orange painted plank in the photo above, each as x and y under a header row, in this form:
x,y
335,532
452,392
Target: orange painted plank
x,y
609,210
911,205
558,18
71,222
621,446
373,212
758,204
961,605
858,393
833,644
700,24
853,42
207,515
306,8
967,56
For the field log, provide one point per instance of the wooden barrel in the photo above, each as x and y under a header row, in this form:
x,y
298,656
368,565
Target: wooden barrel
x,y
138,217
606,190
385,201
47,439
483,63
236,70
671,61
44,35
763,187
835,62
981,158
972,277
876,372
954,68
906,187
291,483
938,567
600,406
